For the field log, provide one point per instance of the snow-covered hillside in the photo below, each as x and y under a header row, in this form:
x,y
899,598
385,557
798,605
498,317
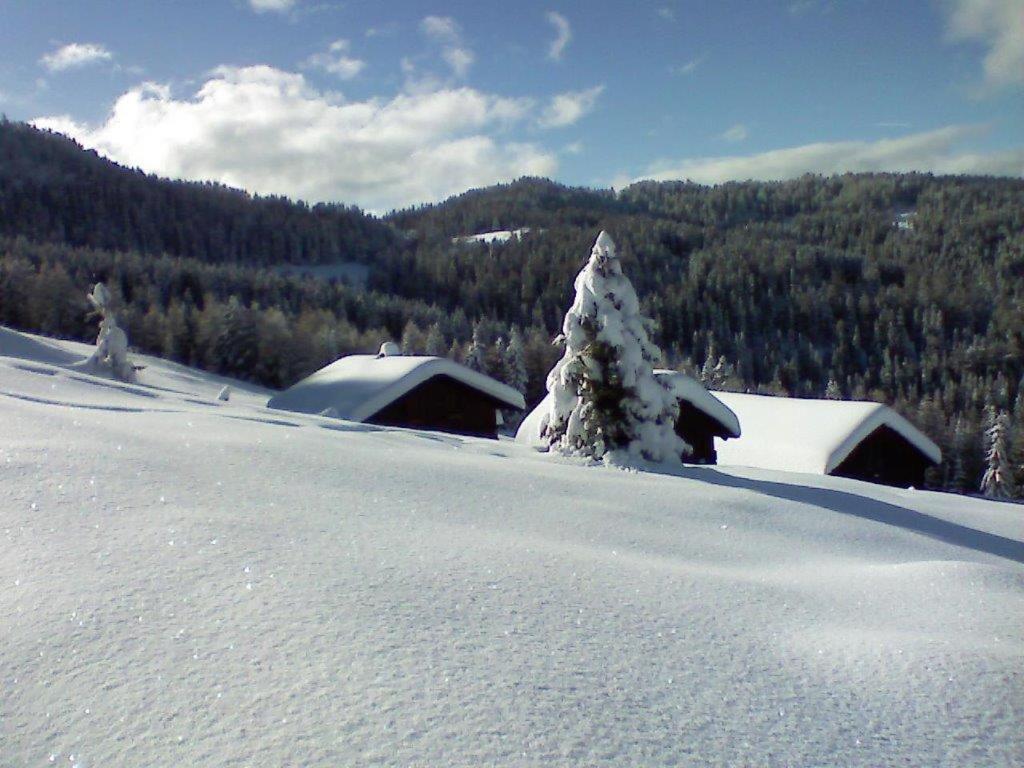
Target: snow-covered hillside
x,y
185,581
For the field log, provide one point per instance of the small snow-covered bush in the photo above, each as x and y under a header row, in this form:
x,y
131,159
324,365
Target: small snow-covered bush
x,y
112,343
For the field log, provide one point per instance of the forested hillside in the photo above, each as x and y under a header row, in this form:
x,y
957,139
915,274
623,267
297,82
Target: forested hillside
x,y
904,288
52,190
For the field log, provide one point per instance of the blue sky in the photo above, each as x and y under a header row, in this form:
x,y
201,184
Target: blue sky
x,y
390,104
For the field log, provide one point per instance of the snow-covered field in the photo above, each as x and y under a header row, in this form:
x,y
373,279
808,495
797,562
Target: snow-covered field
x,y
185,582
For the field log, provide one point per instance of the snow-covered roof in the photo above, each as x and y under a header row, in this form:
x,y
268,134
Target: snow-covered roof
x,y
684,387
357,386
813,436
688,389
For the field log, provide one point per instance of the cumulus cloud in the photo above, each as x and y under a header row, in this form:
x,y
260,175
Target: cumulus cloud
x,y
279,6
936,151
735,133
269,131
563,34
74,56
446,31
567,108
336,61
999,26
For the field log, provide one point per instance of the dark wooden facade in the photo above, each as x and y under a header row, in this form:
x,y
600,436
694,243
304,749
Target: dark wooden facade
x,y
885,457
700,431
443,404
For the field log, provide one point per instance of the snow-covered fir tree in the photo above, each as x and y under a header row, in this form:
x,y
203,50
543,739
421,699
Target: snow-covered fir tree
x,y
718,374
476,352
997,482
435,344
112,343
514,360
513,372
237,343
606,402
412,339
832,390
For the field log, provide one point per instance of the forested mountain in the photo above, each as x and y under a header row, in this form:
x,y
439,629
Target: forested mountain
x,y
52,190
904,288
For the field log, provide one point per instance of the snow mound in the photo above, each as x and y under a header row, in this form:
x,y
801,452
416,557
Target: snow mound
x,y
812,436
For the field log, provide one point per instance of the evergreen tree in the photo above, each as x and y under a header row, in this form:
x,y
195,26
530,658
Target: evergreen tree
x,y
832,391
435,344
997,482
959,447
515,362
412,339
606,402
236,345
476,353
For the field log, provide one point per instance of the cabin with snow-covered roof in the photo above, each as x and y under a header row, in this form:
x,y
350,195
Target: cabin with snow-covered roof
x,y
702,418
857,439
392,389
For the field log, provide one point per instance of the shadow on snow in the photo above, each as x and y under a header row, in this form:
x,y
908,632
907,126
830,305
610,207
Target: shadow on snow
x,y
864,507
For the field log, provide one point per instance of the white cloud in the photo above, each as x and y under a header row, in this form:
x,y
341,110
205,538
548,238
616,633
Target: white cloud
x,y
337,61
269,131
999,26
442,28
689,67
666,14
735,133
563,34
459,59
446,31
75,55
279,6
935,151
566,108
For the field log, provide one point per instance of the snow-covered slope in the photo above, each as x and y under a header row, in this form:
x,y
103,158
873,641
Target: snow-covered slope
x,y
498,236
189,582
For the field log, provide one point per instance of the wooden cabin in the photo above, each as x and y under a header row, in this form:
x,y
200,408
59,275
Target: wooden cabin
x,y
702,418
857,439
415,391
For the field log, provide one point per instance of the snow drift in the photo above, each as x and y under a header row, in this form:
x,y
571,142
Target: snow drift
x,y
188,581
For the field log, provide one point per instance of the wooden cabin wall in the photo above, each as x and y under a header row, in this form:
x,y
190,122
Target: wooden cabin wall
x,y
885,457
442,404
699,430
